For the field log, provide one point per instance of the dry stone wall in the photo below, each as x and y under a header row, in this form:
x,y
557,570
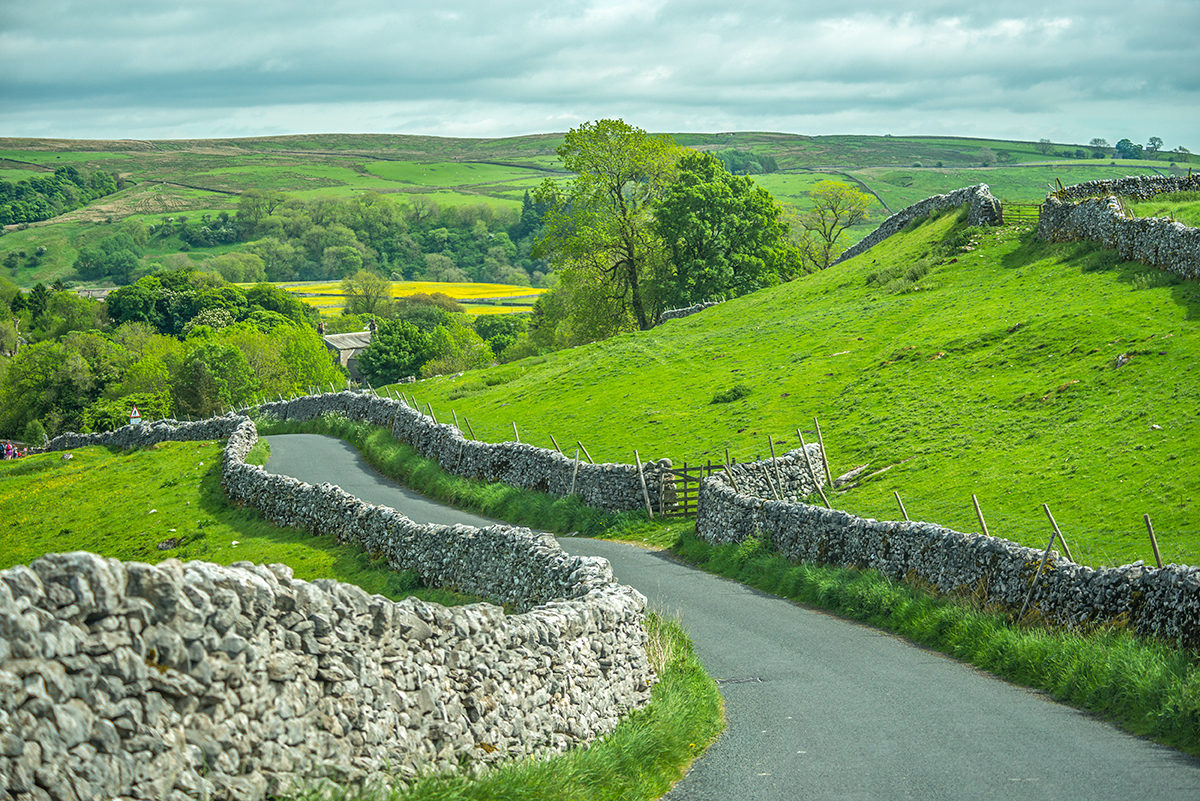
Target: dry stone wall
x,y
984,209
614,487
789,477
193,680
687,311
1091,211
1158,602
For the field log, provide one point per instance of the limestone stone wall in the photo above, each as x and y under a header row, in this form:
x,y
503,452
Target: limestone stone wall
x,y
1159,602
193,680
687,311
786,478
984,209
614,487
1092,211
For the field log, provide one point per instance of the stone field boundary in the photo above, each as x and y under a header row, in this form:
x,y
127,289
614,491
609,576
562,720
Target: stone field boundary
x,y
612,487
1159,602
1092,211
194,680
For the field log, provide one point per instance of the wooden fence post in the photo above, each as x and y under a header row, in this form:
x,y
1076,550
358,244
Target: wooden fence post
x,y
472,430
456,425
1058,534
1153,542
645,491
979,514
575,472
585,452
516,436
824,458
767,476
812,473
1033,582
903,511
775,464
732,480
552,439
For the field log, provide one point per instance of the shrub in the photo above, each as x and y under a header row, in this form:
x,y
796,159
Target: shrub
x,y
736,392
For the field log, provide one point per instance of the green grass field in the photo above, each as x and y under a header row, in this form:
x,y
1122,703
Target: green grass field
x,y
966,361
123,504
900,186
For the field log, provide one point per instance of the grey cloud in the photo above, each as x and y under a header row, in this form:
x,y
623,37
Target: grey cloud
x,y
211,68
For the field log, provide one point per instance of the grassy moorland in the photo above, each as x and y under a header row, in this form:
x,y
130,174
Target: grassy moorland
x,y
964,361
197,177
125,504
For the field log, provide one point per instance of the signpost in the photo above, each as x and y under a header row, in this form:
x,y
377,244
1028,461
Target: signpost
x,y
135,417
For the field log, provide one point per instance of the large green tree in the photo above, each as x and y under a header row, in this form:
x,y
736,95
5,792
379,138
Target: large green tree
x,y
724,234
213,378
834,207
397,350
601,222
366,292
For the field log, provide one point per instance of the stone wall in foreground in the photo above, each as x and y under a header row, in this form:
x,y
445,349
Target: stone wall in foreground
x,y
983,210
193,680
1157,602
614,487
1091,211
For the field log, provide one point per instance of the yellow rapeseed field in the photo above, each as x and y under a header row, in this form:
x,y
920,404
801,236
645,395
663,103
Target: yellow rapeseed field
x,y
327,297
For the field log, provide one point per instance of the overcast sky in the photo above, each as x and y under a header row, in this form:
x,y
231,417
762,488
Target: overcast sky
x,y
1069,70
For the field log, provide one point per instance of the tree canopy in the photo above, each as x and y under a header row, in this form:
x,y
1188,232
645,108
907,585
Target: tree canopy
x,y
646,225
724,234
600,223
835,207
397,350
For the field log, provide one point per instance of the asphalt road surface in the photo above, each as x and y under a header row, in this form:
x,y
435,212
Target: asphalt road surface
x,y
821,708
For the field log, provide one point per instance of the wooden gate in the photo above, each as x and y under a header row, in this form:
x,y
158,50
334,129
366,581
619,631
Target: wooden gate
x,y
1021,213
687,487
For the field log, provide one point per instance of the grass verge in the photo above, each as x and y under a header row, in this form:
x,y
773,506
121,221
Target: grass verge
x,y
647,753
562,515
1149,688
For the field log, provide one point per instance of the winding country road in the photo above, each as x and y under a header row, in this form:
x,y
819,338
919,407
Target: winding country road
x,y
822,708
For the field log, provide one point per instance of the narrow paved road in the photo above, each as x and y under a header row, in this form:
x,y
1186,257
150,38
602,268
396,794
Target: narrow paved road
x,y
820,708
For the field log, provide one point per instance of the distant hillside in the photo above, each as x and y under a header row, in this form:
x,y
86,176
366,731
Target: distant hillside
x,y
962,360
169,178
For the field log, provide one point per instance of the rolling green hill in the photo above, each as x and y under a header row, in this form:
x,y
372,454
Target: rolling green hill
x,y
964,360
197,177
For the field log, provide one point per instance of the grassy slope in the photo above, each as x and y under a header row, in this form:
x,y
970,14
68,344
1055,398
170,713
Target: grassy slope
x,y
121,504
205,176
1183,207
997,378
